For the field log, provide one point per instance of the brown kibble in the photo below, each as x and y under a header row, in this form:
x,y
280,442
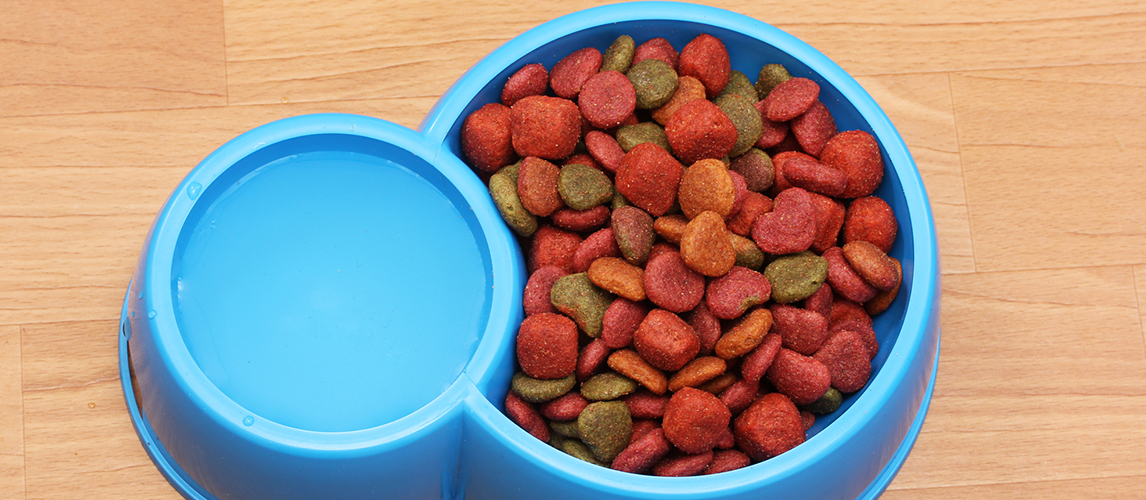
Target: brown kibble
x,y
745,335
671,227
697,372
706,246
884,298
688,89
706,186
619,277
876,267
630,364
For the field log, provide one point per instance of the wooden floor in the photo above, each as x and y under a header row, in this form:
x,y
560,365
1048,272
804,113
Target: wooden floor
x,y
1027,120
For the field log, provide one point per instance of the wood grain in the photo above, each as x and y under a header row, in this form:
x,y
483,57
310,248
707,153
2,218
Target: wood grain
x,y
74,57
1024,118
11,415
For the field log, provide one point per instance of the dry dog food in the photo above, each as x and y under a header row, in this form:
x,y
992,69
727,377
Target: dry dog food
x,y
705,254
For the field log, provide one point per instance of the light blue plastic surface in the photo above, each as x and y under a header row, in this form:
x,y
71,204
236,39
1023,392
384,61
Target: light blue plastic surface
x,y
326,307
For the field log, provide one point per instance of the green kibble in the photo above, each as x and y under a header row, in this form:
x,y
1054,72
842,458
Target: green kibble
x,y
619,55
797,276
619,201
580,450
747,253
771,75
577,297
511,171
539,391
605,426
655,82
503,189
607,387
564,429
628,136
745,117
738,83
557,441
827,403
583,187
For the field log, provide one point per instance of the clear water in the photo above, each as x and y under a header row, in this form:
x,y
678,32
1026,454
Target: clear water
x,y
331,291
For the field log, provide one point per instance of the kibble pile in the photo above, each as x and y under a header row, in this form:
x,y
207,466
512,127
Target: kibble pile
x,y
705,254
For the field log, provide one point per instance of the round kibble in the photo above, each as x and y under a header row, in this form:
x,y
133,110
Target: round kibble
x,y
607,387
814,128
665,340
740,84
706,59
537,181
671,284
582,187
605,427
756,168
769,427
553,247
531,79
657,48
791,98
607,98
695,420
576,296
699,130
570,73
547,346
730,295
654,81
870,219
796,277
746,119
706,185
543,126
856,153
486,138
648,177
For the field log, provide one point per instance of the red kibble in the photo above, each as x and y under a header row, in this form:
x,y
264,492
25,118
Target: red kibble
x,y
754,204
846,357
547,346
740,395
536,297
863,329
808,418
645,404
815,176
729,296
681,465
526,416
621,320
695,420
643,453
844,310
706,326
740,191
700,130
665,341
648,177
553,247
802,330
569,75
769,427
564,408
813,128
778,161
531,79
844,280
870,219
607,99
605,149
671,284
727,460
546,127
657,48
802,378
486,139
581,220
602,243
593,356
830,215
791,225
774,132
537,186
706,59
790,99
856,154
642,427
820,301
583,159
757,362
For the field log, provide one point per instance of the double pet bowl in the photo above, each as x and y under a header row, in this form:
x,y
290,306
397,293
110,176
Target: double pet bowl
x,y
326,307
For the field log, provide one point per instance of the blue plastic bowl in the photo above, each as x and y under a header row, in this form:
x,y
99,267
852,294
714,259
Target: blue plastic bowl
x,y
326,307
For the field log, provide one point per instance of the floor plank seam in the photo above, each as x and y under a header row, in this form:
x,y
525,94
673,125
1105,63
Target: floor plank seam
x,y
1010,483
962,171
23,415
1138,301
